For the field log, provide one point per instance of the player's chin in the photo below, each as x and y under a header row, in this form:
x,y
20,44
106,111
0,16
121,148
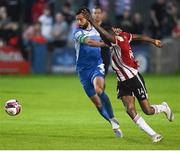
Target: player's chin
x,y
81,26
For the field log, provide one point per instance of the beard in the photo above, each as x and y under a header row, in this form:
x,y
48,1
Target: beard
x,y
84,26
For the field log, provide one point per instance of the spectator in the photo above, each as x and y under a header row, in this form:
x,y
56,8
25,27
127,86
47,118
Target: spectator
x,y
60,31
104,4
91,3
125,23
137,27
51,4
7,27
28,12
137,24
105,20
37,35
46,21
37,9
176,30
120,7
169,20
28,33
14,9
157,16
39,55
67,12
70,35
32,34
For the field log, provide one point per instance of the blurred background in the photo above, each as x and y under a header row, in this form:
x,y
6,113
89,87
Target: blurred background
x,y
36,35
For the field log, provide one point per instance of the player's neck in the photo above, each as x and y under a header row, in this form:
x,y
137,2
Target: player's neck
x,y
89,27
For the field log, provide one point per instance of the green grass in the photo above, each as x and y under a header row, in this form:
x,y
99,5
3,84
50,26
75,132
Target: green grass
x,y
57,114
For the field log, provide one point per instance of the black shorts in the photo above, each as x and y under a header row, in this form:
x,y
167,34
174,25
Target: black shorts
x,y
106,57
132,87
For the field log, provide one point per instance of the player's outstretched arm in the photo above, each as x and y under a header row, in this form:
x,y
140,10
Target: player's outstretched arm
x,y
108,37
82,38
144,38
94,43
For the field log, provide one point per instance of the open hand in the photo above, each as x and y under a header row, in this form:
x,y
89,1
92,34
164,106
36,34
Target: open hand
x,y
87,15
158,43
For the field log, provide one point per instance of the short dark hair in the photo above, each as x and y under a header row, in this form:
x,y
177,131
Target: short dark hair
x,y
79,11
98,7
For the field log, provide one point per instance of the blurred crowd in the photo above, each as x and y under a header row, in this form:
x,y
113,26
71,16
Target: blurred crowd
x,y
24,22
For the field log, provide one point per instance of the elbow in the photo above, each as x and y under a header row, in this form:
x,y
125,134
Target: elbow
x,y
89,43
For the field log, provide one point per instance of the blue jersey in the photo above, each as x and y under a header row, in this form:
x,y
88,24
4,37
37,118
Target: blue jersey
x,y
87,57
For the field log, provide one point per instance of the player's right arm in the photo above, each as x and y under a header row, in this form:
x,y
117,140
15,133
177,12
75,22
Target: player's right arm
x,y
82,38
145,38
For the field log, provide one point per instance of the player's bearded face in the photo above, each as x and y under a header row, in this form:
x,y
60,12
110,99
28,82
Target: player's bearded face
x,y
81,21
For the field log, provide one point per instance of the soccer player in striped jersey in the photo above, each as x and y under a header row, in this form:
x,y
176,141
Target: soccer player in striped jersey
x,y
130,82
90,68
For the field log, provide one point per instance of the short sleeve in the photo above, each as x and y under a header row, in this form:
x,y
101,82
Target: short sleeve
x,y
79,36
123,36
128,35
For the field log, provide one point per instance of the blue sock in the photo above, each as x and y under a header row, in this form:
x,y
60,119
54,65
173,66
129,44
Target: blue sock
x,y
107,104
103,112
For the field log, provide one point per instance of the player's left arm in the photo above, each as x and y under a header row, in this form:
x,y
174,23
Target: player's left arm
x,y
83,38
94,43
147,39
107,38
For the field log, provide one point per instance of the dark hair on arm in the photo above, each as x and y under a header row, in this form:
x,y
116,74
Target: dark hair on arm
x,y
79,11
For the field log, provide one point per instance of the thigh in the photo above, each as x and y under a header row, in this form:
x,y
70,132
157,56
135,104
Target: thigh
x,y
97,76
88,88
139,88
124,89
98,82
86,83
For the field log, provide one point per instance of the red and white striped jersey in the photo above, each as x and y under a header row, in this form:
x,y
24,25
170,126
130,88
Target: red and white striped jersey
x,y
123,61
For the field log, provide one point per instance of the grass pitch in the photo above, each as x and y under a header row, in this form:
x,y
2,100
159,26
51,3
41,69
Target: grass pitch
x,y
56,114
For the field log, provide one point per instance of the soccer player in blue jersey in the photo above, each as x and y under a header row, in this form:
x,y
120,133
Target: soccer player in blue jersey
x,y
90,68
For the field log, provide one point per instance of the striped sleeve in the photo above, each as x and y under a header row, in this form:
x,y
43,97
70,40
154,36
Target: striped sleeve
x,y
80,36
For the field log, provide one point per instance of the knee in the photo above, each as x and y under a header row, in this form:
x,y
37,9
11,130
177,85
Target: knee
x,y
148,111
130,109
99,90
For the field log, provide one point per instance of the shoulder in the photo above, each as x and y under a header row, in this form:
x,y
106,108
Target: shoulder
x,y
77,31
79,34
123,36
94,31
126,35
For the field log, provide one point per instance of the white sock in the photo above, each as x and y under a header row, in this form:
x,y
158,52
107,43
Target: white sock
x,y
143,125
114,124
159,108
